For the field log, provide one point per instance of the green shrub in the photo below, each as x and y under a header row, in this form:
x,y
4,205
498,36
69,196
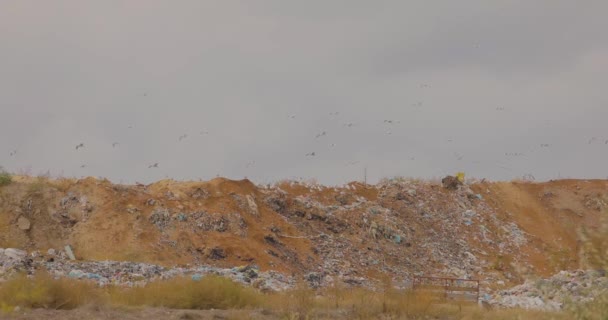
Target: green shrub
x,y
5,177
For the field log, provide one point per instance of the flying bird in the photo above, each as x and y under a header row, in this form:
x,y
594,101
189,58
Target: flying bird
x,y
81,145
322,134
115,144
293,116
182,137
153,165
334,113
82,166
311,154
514,154
13,153
204,132
350,124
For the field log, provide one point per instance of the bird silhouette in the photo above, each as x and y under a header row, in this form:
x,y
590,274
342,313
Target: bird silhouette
x,y
311,154
14,152
319,135
182,137
81,145
155,165
115,144
82,166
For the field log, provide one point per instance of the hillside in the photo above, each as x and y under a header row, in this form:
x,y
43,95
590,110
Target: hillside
x,y
499,232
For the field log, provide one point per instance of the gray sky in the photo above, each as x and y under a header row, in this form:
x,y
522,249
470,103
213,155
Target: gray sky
x,y
476,86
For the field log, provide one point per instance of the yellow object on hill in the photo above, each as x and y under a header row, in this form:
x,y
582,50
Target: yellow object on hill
x,y
460,176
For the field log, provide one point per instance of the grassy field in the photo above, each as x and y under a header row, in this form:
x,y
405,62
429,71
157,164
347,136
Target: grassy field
x,y
220,298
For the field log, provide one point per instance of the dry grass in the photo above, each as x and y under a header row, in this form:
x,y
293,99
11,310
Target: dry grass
x,y
301,303
594,253
211,292
44,292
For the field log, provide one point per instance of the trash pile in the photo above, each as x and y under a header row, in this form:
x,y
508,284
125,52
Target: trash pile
x,y
554,293
12,260
356,234
412,228
131,274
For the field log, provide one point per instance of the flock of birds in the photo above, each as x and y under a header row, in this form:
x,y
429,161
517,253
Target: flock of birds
x,y
322,134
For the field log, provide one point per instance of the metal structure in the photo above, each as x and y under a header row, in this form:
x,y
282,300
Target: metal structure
x,y
449,288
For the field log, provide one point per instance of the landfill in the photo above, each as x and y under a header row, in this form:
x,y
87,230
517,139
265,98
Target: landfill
x,y
275,235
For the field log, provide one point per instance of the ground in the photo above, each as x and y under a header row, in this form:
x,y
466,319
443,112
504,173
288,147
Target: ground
x,y
499,232
103,313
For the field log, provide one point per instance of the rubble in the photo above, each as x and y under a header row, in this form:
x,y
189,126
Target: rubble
x,y
23,223
451,182
132,274
554,293
15,254
160,218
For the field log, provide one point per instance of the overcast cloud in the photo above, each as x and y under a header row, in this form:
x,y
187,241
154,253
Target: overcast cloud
x,y
497,89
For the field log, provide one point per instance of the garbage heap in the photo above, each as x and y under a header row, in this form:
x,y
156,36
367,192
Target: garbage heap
x,y
554,293
130,274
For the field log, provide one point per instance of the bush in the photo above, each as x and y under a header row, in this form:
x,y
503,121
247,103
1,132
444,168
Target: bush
x,y
42,291
5,177
211,292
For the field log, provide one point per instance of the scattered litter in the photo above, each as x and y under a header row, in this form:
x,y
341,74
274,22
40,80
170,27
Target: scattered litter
x,y
69,252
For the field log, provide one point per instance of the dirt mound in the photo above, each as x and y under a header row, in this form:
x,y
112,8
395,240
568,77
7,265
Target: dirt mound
x,y
499,232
